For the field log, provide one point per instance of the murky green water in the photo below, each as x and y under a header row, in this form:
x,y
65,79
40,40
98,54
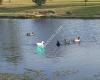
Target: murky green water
x,y
68,62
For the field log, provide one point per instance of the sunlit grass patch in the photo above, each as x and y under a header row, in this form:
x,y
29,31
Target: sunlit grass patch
x,y
77,8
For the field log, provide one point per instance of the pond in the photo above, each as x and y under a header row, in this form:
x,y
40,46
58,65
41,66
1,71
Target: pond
x,y
68,62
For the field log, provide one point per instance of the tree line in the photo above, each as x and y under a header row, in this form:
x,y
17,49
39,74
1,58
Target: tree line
x,y
40,2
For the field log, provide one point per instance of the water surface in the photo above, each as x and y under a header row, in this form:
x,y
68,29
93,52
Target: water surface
x,y
72,62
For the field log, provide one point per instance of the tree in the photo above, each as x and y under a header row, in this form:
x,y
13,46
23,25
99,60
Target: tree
x,y
9,1
0,2
39,2
85,2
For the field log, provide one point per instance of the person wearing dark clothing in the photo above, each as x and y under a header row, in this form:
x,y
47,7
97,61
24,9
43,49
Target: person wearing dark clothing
x,y
58,44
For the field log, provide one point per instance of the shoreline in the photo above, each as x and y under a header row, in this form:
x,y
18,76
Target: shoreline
x,y
46,17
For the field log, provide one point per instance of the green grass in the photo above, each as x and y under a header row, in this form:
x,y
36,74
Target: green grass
x,y
77,8
87,11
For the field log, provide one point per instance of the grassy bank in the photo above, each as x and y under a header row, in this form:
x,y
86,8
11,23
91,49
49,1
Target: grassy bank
x,y
6,76
38,75
76,8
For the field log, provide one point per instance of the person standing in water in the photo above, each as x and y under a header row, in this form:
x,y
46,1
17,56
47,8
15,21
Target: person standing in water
x,y
58,44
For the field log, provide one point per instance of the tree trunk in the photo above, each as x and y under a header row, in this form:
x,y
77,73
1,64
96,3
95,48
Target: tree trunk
x,y
86,2
9,1
0,2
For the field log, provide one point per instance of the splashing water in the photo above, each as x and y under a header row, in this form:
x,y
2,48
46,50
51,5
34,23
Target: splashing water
x,y
41,49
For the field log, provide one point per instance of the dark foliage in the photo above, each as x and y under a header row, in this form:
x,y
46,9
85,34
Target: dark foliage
x,y
39,2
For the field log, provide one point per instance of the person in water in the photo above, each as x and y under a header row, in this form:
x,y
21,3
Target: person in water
x,y
58,44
